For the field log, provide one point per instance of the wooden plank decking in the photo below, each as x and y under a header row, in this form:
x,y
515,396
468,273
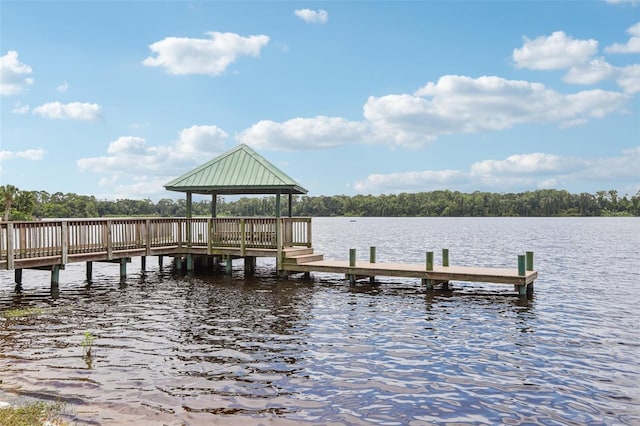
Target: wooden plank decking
x,y
411,270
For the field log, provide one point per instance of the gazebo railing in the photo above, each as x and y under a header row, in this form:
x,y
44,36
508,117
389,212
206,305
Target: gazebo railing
x,y
61,238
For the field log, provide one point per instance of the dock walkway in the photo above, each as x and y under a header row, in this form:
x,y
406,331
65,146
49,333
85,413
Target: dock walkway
x,y
52,244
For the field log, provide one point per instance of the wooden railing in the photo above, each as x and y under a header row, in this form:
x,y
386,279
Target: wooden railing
x,y
61,238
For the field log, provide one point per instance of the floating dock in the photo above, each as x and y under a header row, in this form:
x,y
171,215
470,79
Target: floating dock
x,y
50,245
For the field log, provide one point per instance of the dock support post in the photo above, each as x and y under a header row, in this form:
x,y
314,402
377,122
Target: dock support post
x,y
249,264
55,276
89,270
428,283
352,263
445,257
123,268
190,262
522,290
18,276
143,263
229,265
160,261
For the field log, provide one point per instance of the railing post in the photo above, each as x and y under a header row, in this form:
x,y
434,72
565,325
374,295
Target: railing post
x,y
243,237
10,250
209,235
147,237
309,234
107,238
179,233
64,229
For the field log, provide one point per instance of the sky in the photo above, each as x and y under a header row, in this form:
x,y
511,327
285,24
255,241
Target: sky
x,y
115,99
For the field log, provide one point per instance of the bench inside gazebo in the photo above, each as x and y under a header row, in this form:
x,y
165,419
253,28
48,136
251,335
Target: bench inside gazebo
x,y
241,171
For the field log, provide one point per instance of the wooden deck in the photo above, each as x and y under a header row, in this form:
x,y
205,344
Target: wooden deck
x,y
410,270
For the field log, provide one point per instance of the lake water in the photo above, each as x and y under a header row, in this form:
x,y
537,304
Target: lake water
x,y
216,349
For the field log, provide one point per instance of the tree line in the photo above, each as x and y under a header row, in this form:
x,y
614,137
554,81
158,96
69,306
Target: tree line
x,y
30,205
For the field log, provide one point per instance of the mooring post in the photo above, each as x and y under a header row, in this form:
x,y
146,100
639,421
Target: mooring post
x,y
352,263
89,270
521,265
522,260
445,257
160,262
429,261
529,256
18,276
372,259
143,263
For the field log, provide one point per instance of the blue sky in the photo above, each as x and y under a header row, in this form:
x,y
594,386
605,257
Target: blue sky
x,y
115,99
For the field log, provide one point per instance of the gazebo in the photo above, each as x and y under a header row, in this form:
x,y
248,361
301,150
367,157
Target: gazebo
x,y
238,171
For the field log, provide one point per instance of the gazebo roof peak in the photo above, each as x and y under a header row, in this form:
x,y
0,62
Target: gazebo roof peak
x,y
240,170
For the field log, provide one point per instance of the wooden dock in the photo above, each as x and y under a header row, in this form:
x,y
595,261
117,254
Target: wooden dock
x,y
52,244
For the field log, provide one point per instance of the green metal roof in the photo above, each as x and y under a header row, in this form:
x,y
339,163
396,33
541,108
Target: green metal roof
x,y
240,170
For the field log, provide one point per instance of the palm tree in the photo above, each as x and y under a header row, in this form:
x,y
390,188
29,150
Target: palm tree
x,y
7,195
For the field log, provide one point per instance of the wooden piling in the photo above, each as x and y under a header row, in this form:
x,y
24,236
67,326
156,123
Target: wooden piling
x,y
352,263
429,261
123,268
143,263
55,276
89,271
529,257
445,257
521,265
18,276
372,259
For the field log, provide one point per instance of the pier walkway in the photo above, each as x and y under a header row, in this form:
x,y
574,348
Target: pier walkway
x,y
52,244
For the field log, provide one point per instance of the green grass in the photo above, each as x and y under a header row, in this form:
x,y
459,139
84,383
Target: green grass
x,y
23,312
35,413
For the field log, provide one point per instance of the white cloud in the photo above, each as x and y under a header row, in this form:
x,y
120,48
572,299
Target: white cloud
x,y
28,154
426,180
590,72
304,133
519,172
71,111
200,140
63,87
557,51
629,78
14,75
19,108
131,158
313,16
452,105
460,104
536,163
631,46
179,55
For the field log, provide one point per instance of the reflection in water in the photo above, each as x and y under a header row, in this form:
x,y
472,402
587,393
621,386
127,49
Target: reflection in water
x,y
195,349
